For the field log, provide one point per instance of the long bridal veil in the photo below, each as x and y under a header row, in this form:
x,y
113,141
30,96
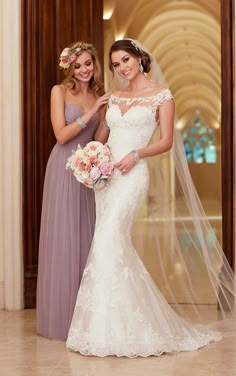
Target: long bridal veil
x,y
187,261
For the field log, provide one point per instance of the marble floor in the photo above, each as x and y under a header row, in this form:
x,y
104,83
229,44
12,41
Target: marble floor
x,y
23,353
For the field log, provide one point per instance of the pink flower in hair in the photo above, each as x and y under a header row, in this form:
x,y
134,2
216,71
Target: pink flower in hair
x,y
69,54
72,58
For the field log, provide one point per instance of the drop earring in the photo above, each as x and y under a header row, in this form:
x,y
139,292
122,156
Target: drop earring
x,y
140,67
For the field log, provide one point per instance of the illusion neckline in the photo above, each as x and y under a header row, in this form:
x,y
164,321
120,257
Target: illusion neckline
x,y
140,97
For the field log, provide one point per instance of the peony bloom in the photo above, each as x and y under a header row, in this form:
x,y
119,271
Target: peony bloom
x,y
95,173
106,169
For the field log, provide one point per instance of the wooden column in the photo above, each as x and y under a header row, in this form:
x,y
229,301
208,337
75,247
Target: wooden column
x,y
47,27
227,127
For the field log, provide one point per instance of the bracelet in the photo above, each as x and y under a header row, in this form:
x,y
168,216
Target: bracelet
x,y
135,155
105,125
80,122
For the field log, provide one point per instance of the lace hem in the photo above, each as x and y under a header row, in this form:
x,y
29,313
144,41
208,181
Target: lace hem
x,y
79,343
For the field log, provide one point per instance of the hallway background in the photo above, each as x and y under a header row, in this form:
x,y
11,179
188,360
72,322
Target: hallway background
x,y
28,73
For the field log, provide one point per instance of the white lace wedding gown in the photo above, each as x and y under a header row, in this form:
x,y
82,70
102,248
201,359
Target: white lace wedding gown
x,y
119,309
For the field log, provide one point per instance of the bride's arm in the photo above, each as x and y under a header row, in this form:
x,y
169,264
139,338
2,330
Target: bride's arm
x,y
166,119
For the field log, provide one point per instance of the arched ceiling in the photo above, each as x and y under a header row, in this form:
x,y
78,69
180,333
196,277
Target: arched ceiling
x,y
184,36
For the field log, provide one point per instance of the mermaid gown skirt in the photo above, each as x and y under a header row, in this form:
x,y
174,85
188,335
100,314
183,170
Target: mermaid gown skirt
x,y
119,309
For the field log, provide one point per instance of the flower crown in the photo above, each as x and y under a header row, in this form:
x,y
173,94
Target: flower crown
x,y
70,54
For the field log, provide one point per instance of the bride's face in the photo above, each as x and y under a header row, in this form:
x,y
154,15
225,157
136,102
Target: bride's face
x,y
126,65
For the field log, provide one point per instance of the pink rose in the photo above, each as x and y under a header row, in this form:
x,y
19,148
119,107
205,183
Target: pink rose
x,y
106,168
95,173
72,58
78,162
93,159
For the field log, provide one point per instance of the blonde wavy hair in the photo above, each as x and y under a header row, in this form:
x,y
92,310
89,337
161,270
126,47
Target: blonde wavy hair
x,y
72,83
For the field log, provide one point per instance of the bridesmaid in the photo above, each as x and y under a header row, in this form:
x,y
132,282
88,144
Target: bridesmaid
x,y
68,211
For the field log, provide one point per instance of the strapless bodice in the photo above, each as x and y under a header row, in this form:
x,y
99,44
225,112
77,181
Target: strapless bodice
x,y
72,112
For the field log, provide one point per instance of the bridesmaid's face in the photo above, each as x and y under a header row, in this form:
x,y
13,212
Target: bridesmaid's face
x,y
84,67
125,64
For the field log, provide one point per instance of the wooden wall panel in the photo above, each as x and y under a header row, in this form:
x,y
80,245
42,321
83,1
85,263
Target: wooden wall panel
x,y
227,127
47,27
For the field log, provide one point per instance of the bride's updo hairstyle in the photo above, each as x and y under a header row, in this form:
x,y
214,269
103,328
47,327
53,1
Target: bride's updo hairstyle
x,y
131,48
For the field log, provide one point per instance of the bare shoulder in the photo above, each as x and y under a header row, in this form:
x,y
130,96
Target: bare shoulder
x,y
156,89
58,91
118,93
58,94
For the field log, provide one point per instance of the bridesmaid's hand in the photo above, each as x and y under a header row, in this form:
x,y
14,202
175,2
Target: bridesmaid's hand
x,y
101,102
125,164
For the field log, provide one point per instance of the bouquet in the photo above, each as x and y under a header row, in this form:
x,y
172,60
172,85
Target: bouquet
x,y
92,165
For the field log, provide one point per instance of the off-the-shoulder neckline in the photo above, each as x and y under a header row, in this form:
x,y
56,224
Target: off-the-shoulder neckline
x,y
140,97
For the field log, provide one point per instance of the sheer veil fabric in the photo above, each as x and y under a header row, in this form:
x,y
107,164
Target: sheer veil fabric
x,y
196,280
119,309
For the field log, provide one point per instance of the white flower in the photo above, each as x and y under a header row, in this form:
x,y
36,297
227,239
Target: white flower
x,y
64,65
104,158
79,153
65,52
91,153
81,176
94,143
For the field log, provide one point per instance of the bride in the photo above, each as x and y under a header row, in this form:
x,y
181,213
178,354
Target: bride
x,y
120,310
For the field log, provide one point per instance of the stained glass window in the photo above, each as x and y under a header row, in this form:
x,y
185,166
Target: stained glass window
x,y
199,144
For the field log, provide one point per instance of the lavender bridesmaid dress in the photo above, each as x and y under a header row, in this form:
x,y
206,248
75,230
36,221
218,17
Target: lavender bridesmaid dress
x,y
67,227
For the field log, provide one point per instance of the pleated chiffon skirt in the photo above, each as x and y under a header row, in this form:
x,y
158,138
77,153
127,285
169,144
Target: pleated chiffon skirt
x,y
67,227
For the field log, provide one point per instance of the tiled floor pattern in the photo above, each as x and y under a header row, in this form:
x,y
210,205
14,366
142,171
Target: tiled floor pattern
x,y
23,353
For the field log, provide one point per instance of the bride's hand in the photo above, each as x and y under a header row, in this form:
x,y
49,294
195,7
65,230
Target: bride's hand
x,y
125,164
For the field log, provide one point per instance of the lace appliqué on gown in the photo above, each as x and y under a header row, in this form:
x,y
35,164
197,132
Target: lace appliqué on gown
x,y
119,309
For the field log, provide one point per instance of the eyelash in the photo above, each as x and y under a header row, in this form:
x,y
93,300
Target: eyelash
x,y
125,60
77,66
